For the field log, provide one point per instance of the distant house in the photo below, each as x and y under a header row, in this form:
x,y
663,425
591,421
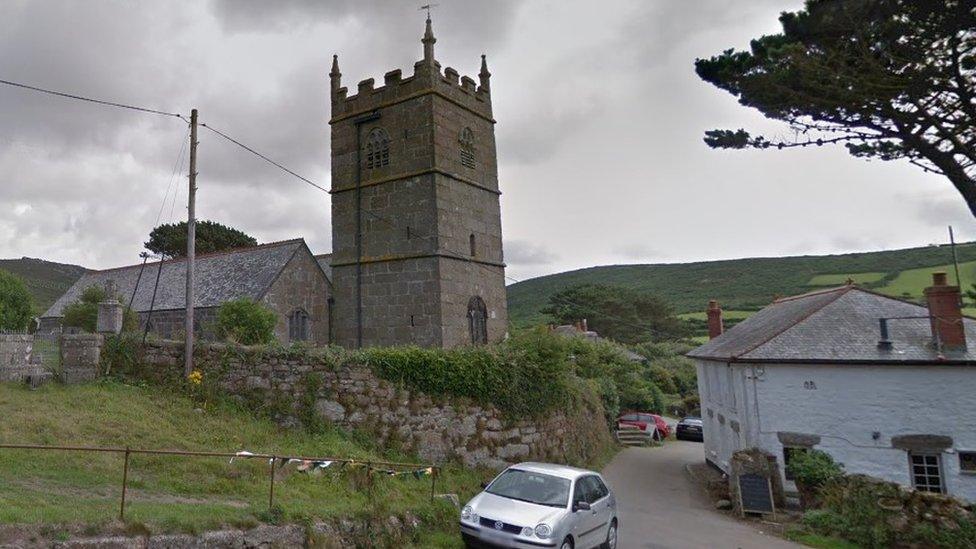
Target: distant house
x,y
285,276
887,387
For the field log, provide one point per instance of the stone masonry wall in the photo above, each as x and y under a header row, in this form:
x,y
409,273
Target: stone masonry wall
x,y
80,354
352,396
15,354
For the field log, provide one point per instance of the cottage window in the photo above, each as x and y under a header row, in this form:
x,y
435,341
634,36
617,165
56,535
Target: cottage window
x,y
967,462
789,453
466,145
377,149
298,326
926,472
478,320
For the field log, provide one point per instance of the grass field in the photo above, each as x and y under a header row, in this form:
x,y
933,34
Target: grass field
x,y
169,493
911,282
748,284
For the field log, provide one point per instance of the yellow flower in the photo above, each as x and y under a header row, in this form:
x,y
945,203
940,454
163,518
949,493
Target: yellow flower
x,y
195,377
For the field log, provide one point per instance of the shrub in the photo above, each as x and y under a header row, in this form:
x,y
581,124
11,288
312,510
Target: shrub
x,y
246,322
83,313
15,302
814,468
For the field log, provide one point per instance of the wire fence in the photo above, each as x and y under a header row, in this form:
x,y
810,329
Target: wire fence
x,y
275,461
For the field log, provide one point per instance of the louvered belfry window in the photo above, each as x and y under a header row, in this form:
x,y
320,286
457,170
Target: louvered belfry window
x,y
466,142
377,149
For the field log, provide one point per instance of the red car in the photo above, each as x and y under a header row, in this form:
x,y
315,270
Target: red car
x,y
646,422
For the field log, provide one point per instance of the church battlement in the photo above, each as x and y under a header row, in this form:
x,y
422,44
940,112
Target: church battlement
x,y
427,78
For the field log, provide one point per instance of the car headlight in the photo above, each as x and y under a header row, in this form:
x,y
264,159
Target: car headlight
x,y
466,512
543,531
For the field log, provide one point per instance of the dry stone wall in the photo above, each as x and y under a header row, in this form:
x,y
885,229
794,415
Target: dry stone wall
x,y
15,357
352,396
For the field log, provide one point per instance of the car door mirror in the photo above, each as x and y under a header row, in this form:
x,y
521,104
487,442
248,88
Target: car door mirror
x,y
582,506
484,485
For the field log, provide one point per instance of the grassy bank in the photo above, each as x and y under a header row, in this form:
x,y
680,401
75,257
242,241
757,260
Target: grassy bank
x,y
169,493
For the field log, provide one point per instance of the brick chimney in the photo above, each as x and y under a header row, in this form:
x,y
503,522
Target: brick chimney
x,y
715,326
944,308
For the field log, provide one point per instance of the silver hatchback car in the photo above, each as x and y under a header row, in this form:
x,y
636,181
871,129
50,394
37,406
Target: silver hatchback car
x,y
532,505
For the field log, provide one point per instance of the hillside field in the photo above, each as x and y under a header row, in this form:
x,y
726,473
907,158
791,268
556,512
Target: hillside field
x,y
743,286
45,280
62,490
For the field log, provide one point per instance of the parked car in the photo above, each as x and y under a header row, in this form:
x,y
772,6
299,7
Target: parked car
x,y
649,423
689,428
532,505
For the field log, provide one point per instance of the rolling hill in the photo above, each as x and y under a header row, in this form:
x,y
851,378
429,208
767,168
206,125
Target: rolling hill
x,y
45,280
749,284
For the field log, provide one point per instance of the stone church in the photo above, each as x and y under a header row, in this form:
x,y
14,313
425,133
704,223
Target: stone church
x,y
416,230
416,224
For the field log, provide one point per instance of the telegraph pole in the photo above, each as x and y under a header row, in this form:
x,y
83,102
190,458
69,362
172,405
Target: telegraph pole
x,y
191,234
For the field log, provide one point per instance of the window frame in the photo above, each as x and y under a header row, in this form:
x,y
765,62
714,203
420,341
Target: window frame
x,y
964,470
299,325
377,148
927,486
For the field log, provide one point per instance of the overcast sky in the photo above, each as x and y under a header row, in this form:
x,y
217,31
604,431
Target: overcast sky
x,y
600,124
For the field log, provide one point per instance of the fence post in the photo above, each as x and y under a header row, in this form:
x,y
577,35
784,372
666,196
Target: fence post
x,y
125,481
433,481
271,491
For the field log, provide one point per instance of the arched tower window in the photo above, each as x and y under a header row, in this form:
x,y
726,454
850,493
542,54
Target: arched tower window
x,y
377,148
466,144
298,325
478,320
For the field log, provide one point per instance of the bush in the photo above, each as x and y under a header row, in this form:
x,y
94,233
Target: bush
x,y
83,313
814,468
15,302
246,322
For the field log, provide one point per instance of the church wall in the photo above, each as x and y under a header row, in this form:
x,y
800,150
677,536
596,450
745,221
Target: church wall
x,y
301,285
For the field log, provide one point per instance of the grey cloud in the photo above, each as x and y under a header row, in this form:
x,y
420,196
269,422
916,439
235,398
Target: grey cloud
x,y
639,252
523,253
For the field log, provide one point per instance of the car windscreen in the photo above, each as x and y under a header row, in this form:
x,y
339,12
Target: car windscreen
x,y
532,487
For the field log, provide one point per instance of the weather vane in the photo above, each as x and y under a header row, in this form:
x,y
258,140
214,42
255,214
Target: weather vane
x,y
427,7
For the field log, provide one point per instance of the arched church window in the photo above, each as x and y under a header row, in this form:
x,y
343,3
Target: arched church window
x,y
298,325
478,320
377,148
466,142
473,245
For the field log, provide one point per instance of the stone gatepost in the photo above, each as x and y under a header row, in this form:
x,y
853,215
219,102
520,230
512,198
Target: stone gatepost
x,y
80,354
109,320
750,463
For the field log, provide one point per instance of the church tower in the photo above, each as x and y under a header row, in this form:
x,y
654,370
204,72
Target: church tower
x,y
416,224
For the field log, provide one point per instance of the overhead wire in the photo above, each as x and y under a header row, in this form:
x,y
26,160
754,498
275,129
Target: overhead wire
x,y
177,164
91,100
261,156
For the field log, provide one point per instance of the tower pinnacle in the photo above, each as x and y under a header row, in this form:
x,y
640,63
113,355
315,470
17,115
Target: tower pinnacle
x,y
335,76
428,41
484,75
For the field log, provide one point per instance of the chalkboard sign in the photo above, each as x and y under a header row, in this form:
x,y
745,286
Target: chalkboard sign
x,y
755,494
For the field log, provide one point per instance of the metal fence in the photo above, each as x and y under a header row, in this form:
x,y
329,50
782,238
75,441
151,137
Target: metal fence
x,y
46,351
372,467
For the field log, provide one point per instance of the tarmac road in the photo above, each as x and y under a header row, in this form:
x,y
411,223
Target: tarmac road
x,y
659,506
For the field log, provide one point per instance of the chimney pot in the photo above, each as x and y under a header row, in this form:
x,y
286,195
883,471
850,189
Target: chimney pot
x,y
715,325
945,310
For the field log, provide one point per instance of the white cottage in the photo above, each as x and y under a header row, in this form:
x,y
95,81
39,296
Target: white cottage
x,y
887,387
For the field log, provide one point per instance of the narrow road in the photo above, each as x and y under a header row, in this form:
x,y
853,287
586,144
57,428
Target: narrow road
x,y
660,508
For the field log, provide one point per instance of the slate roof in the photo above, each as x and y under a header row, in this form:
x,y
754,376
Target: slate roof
x,y
220,277
838,325
325,262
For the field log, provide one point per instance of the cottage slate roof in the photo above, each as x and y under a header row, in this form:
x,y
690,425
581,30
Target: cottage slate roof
x,y
838,325
220,277
325,262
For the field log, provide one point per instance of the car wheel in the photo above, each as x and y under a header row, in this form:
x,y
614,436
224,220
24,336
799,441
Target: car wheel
x,y
611,542
567,543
